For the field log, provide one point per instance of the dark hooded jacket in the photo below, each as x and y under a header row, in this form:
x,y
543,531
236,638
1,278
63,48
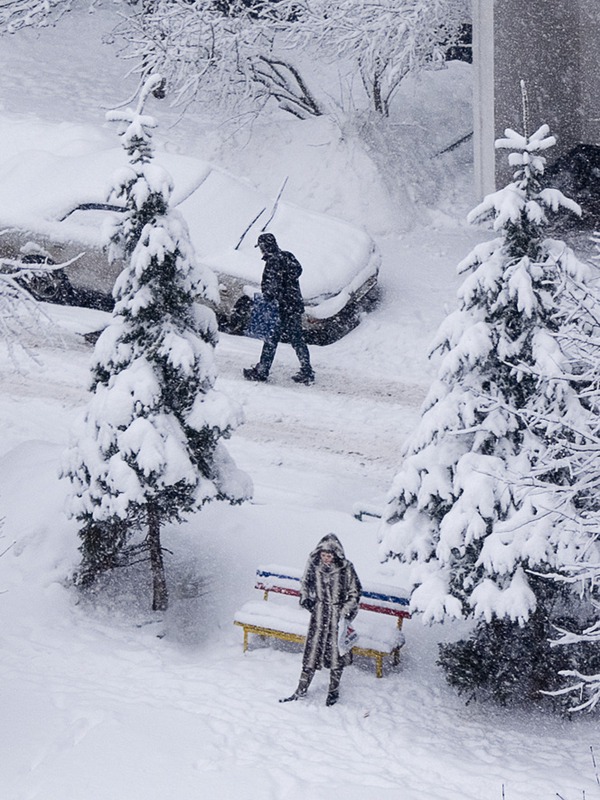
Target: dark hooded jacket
x,y
280,281
330,593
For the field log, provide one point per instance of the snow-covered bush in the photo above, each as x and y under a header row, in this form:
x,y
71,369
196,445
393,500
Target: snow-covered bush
x,y
148,449
579,644
221,55
479,503
385,40
18,14
236,56
18,309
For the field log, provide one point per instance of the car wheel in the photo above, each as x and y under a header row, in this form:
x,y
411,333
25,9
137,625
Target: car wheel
x,y
45,288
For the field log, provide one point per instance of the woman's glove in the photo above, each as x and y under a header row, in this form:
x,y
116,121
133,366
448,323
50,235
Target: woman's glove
x,y
307,603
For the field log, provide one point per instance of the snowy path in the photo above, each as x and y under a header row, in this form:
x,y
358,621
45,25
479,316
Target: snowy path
x,y
340,415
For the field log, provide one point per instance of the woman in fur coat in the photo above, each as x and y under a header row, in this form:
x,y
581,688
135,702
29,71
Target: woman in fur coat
x,y
330,590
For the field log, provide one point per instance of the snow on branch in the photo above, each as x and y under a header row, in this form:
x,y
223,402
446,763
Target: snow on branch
x,y
285,83
18,14
205,53
386,39
20,311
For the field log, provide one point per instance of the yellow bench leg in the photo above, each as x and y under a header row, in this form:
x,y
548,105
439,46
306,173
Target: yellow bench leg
x,y
379,666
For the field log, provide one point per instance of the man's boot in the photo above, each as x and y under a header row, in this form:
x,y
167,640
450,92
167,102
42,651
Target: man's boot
x,y
306,376
256,373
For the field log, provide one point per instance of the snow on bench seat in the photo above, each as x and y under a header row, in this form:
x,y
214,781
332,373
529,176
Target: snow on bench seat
x,y
274,616
377,638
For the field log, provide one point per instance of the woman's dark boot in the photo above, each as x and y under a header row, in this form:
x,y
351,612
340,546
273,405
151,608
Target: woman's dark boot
x,y
333,693
303,684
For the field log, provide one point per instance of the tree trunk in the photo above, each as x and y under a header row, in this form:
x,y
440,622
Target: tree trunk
x,y
379,101
160,596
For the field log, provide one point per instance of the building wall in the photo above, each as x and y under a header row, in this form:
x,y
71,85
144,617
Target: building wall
x,y
538,41
590,70
554,46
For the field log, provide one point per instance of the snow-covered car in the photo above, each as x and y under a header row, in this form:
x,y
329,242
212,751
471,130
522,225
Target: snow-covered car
x,y
59,202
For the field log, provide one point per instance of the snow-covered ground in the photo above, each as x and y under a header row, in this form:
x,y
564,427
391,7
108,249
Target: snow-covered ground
x,y
101,700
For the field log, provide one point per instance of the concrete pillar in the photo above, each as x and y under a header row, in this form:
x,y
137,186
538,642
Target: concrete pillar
x,y
484,132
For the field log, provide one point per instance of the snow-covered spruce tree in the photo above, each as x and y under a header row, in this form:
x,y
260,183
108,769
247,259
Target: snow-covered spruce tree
x,y
149,447
462,510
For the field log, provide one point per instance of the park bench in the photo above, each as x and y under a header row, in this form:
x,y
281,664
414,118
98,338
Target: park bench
x,y
285,620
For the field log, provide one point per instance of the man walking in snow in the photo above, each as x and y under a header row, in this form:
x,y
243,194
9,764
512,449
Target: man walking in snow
x,y
330,590
280,284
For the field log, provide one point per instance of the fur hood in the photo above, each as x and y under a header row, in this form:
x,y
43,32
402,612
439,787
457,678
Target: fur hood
x,y
329,544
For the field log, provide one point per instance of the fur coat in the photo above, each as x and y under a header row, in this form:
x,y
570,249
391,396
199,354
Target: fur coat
x,y
330,593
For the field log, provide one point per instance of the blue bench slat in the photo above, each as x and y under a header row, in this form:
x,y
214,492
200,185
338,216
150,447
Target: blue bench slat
x,y
265,574
389,598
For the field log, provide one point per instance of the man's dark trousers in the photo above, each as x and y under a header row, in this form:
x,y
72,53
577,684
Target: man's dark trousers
x,y
292,324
